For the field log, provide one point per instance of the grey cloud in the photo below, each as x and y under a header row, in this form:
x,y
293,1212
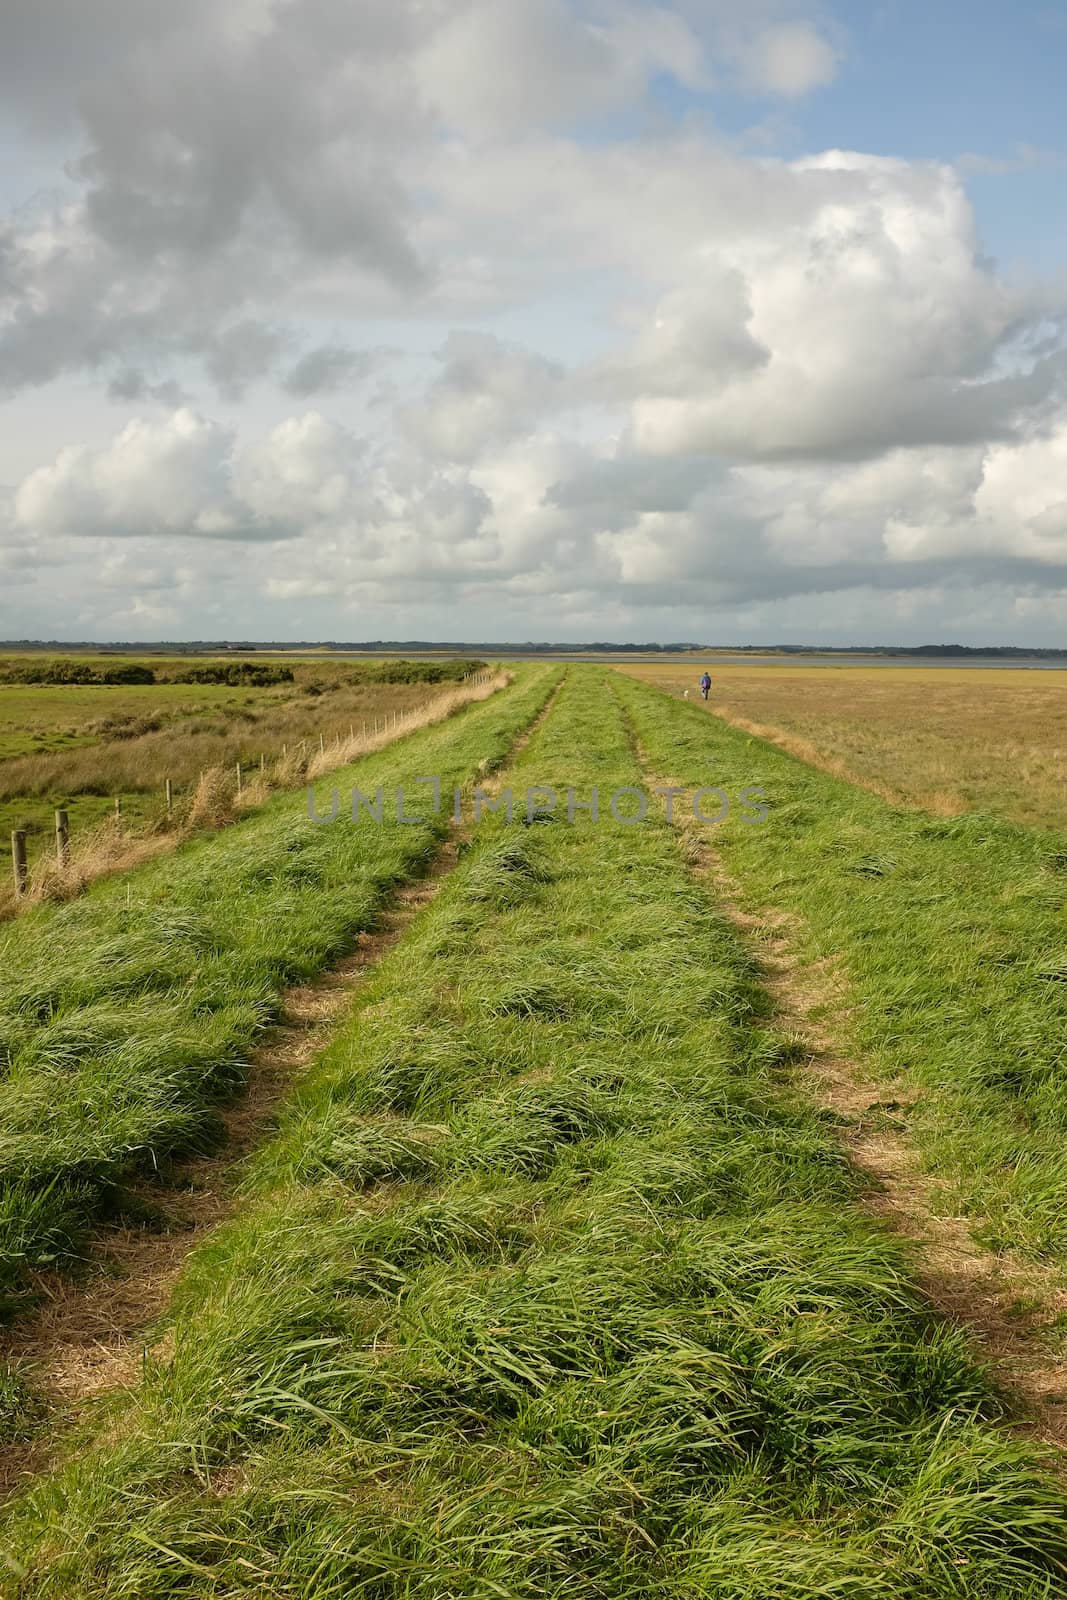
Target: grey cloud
x,y
330,367
227,151
129,384
488,391
610,491
300,119
241,353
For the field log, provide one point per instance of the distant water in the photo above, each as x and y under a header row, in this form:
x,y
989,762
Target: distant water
x,y
1006,664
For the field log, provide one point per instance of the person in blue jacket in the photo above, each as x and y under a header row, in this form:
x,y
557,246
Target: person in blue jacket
x,y
705,685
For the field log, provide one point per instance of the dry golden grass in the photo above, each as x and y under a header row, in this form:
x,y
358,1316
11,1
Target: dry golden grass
x,y
216,800
181,746
85,745
941,738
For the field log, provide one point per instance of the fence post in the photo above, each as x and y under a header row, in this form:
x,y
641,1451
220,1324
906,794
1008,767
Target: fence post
x,y
262,762
118,808
62,838
322,744
169,792
238,777
18,856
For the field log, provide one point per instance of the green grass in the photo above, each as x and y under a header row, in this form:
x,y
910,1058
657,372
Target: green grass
x,y
954,943
126,1016
546,1288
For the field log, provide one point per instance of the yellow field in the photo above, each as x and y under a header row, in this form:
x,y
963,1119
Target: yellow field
x,y
946,739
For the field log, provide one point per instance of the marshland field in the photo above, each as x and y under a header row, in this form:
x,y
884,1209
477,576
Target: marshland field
x,y
567,1203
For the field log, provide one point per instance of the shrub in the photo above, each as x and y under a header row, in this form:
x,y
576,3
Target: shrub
x,y
236,674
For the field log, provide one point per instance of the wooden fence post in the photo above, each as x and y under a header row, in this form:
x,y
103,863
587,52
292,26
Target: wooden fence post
x,y
62,838
118,808
238,777
18,856
168,791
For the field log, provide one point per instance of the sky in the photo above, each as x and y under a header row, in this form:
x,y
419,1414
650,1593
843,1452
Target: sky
x,y
533,320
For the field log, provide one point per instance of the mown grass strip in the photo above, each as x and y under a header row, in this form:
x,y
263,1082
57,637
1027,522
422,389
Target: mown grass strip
x,y
128,1016
953,936
545,1289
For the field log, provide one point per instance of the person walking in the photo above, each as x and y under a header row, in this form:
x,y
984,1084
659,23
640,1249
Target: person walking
x,y
705,685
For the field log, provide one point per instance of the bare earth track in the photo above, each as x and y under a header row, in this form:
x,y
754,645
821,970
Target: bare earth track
x,y
89,1332
1008,1304
85,1335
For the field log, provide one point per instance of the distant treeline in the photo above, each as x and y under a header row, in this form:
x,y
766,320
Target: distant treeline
x,y
76,672
233,674
237,674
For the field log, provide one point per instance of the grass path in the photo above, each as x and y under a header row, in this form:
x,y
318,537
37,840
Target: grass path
x,y
549,1287
86,1334
127,1017
949,936
1010,1305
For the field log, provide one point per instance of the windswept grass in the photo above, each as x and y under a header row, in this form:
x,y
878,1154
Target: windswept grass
x,y
127,1016
544,1289
955,950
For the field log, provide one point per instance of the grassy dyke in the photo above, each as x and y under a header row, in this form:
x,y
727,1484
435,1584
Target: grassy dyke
x,y
545,1288
953,938
126,1017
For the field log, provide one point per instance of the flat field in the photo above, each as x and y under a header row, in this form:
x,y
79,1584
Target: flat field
x,y
942,738
81,746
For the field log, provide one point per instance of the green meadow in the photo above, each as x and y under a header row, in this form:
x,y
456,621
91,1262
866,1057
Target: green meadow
x,y
549,1280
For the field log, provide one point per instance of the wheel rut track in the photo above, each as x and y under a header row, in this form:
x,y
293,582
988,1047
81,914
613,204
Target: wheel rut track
x,y
89,1331
1006,1303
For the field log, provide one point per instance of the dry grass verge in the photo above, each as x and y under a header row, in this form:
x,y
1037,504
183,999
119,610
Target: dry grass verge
x,y
216,801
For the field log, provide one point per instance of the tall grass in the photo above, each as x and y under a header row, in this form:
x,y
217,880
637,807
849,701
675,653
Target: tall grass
x,y
194,952
221,795
546,1288
952,935
127,742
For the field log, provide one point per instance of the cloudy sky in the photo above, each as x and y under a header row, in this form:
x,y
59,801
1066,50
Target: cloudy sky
x,y
533,319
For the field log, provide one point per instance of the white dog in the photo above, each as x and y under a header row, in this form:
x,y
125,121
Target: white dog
x,y
685,694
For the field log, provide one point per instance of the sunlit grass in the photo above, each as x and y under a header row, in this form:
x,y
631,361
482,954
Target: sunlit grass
x,y
951,931
127,1016
547,1287
947,740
